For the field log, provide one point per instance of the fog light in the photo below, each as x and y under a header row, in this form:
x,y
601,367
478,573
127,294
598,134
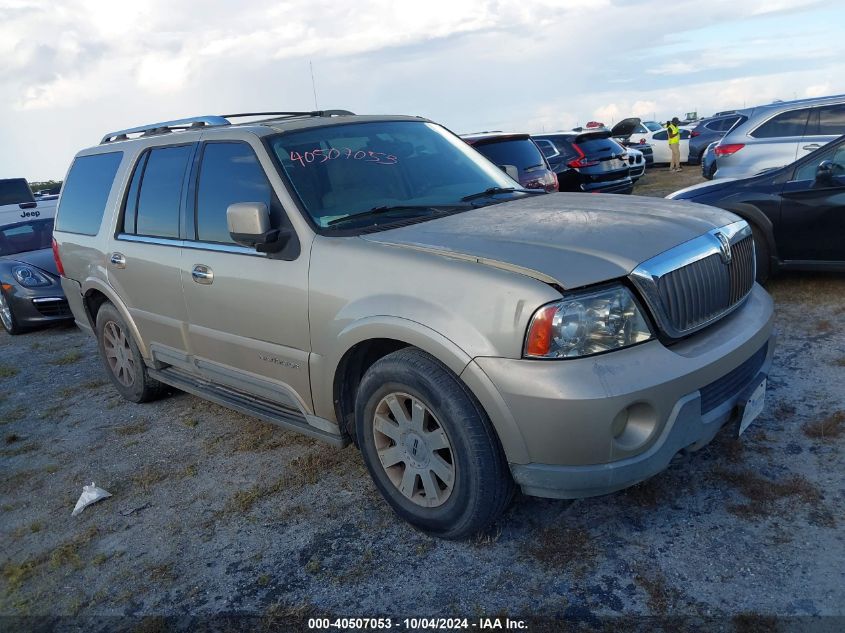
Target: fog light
x,y
633,426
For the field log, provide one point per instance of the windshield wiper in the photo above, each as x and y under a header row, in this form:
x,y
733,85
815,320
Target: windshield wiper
x,y
492,191
376,211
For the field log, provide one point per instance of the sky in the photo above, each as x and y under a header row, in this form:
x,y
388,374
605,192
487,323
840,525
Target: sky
x,y
72,70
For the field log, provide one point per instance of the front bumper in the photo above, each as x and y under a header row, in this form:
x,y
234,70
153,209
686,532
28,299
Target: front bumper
x,y
587,427
33,307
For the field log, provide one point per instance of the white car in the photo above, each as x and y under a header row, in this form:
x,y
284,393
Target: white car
x,y
639,131
636,160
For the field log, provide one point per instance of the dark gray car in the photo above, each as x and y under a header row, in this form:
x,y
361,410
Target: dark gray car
x,y
31,292
707,131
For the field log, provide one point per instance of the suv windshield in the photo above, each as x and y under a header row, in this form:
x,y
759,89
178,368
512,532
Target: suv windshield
x,y
23,237
413,168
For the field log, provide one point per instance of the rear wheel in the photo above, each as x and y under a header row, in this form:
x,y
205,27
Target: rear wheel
x,y
7,316
762,256
122,358
430,447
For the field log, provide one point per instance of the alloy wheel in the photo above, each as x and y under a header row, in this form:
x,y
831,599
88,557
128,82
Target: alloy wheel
x,y
414,449
119,353
5,312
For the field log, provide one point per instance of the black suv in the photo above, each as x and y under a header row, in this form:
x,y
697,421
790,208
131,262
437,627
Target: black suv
x,y
588,160
796,213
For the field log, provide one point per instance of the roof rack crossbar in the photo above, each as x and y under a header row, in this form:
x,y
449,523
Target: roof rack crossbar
x,y
210,121
293,113
166,126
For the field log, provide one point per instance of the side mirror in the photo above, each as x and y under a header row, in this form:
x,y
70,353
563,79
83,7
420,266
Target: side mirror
x,y
249,224
825,171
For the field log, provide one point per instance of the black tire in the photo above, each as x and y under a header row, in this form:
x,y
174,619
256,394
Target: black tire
x,y
141,387
762,255
12,326
482,486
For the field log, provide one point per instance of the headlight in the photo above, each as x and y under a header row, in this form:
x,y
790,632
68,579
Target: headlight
x,y
30,277
585,324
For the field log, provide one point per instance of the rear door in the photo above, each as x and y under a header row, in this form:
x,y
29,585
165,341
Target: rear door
x,y
144,263
247,311
826,124
813,213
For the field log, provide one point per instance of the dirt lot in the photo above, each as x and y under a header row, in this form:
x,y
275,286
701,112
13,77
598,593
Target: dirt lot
x,y
214,512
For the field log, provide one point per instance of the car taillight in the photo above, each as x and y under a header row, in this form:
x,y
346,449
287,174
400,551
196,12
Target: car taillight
x,y
728,149
59,267
642,141
694,133
582,160
551,182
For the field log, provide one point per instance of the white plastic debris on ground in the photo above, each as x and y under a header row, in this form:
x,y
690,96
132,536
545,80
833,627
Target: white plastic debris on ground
x,y
90,494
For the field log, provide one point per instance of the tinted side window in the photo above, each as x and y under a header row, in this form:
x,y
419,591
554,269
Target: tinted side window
x,y
808,170
831,121
161,191
547,147
86,191
130,206
229,173
565,147
784,124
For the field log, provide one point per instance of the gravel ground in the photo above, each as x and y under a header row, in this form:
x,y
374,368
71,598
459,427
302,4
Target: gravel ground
x,y
213,512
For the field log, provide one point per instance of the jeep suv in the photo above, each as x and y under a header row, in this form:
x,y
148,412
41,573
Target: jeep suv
x,y
375,280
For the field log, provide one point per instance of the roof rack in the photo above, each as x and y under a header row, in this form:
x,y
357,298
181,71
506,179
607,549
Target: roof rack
x,y
165,127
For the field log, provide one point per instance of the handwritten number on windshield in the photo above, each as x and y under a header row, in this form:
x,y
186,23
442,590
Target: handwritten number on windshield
x,y
321,156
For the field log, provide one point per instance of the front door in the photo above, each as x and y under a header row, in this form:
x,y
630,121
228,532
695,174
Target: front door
x,y
813,212
247,311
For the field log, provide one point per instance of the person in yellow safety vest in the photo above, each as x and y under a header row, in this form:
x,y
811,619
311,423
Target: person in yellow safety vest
x,y
674,147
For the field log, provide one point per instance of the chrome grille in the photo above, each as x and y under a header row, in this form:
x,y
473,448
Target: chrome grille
x,y
697,283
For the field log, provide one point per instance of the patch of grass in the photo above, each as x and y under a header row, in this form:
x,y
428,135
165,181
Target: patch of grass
x,y
7,371
490,537
93,384
566,549
21,450
159,573
55,412
16,574
263,580
828,428
661,597
68,358
839,362
191,423
99,559
148,478
68,552
191,470
51,468
783,411
133,429
763,494
824,326
255,435
313,565
13,415
11,438
32,528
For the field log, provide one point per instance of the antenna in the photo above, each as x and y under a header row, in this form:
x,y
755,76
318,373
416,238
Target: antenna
x,y
313,84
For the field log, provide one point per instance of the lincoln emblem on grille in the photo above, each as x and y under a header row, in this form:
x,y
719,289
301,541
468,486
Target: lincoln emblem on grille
x,y
724,247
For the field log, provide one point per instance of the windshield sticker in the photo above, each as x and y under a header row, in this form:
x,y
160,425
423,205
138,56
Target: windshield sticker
x,y
322,156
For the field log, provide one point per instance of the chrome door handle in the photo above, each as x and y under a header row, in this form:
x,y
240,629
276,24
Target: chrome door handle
x,y
117,260
202,274
812,146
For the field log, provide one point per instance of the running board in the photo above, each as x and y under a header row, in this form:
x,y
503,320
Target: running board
x,y
245,403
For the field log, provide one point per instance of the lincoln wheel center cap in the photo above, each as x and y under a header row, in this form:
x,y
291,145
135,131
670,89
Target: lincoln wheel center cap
x,y
416,449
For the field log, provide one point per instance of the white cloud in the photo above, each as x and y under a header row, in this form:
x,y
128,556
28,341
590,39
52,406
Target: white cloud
x,y
71,70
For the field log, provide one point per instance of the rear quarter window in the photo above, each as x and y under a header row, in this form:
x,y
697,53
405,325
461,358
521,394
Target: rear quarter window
x,y
86,192
785,124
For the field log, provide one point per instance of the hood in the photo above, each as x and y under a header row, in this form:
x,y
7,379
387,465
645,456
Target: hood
x,y
42,259
700,188
571,239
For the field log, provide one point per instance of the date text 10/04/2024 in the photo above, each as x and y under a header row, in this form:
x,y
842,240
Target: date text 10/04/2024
x,y
417,624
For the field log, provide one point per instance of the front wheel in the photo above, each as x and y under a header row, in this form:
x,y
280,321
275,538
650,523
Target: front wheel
x,y
430,447
122,358
7,316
